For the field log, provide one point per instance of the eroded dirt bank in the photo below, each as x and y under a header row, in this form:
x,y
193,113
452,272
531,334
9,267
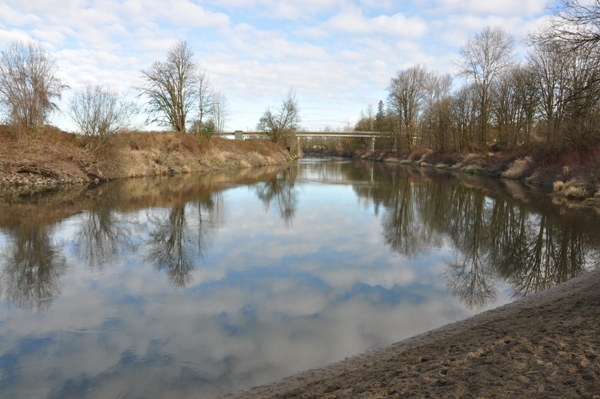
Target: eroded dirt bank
x,y
34,164
546,345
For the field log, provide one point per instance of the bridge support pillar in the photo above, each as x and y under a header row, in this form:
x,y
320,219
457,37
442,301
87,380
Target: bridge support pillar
x,y
372,145
239,135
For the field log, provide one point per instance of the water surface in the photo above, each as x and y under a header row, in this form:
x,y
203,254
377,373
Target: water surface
x,y
193,286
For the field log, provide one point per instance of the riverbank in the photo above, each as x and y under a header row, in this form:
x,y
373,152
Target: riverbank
x,y
573,175
545,345
31,164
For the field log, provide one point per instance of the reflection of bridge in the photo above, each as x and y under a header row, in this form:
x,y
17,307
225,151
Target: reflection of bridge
x,y
240,135
354,183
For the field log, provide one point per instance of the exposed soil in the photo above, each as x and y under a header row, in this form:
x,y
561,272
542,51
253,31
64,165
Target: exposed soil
x,y
544,346
31,164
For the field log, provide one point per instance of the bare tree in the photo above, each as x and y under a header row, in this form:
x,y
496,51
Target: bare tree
x,y
206,100
577,23
407,94
100,112
463,108
171,88
568,86
366,122
482,59
514,106
438,111
548,66
281,124
28,85
220,111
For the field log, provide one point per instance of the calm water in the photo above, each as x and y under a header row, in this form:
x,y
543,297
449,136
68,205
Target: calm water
x,y
195,286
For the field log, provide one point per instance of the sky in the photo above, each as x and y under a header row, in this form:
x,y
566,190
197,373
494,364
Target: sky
x,y
337,55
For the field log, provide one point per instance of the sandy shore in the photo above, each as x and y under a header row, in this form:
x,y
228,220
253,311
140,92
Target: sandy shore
x,y
544,346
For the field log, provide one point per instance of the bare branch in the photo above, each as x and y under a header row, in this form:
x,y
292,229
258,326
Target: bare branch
x,y
576,23
100,112
206,100
482,59
28,85
407,93
171,88
280,125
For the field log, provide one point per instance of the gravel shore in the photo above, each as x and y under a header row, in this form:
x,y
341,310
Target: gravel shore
x,y
544,346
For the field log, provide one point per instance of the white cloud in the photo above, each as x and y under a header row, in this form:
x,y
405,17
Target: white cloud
x,y
9,36
12,16
353,22
282,9
188,14
496,7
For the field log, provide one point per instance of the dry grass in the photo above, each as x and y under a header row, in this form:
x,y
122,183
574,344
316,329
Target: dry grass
x,y
53,153
558,186
418,153
576,192
519,168
445,158
48,152
472,157
573,189
167,141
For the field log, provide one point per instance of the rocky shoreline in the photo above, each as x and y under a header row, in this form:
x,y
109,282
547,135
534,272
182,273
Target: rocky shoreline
x,y
572,183
545,345
23,185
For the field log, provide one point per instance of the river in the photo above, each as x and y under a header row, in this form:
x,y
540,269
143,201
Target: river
x,y
197,285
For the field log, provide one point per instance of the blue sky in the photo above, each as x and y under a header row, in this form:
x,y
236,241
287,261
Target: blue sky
x,y
338,55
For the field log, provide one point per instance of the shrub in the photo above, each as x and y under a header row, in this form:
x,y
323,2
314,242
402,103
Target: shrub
x,y
576,192
518,168
418,153
558,186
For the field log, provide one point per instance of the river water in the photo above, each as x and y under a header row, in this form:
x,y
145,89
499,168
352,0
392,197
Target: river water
x,y
194,286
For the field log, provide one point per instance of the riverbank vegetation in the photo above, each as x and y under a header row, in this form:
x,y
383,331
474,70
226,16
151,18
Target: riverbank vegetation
x,y
32,163
536,118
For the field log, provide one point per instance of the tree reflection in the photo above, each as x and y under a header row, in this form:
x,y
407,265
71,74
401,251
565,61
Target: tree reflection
x,y
31,268
402,229
473,278
175,245
472,281
281,192
170,247
495,237
549,253
101,237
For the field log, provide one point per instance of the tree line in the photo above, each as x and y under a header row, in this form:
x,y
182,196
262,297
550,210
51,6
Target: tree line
x,y
177,92
552,96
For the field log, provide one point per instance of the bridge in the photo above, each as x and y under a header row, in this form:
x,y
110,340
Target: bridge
x,y
240,135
